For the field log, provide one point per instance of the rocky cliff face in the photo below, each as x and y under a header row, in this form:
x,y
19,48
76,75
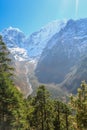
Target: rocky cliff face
x,y
62,52
37,41
57,48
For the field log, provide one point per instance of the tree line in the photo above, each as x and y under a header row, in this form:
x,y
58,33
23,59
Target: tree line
x,y
39,112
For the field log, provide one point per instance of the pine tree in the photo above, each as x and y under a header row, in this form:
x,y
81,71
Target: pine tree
x,y
66,113
11,100
43,110
79,107
57,120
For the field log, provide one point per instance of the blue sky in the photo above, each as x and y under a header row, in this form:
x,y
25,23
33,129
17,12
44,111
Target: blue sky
x,y
31,15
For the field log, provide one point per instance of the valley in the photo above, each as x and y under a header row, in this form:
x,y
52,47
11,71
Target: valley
x,y
54,56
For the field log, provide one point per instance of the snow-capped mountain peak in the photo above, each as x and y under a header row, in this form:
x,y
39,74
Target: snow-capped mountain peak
x,y
45,37
14,39
11,29
37,41
54,26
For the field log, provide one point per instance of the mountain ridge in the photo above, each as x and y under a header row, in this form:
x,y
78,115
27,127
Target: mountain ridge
x,y
68,46
34,44
55,51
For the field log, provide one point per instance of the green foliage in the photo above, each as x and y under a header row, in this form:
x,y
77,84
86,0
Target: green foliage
x,y
12,108
79,108
42,112
62,112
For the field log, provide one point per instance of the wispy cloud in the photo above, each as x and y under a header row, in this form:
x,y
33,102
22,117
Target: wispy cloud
x,y
77,5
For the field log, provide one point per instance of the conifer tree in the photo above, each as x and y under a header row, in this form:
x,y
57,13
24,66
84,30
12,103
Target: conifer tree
x,y
43,110
66,113
57,120
11,100
79,107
